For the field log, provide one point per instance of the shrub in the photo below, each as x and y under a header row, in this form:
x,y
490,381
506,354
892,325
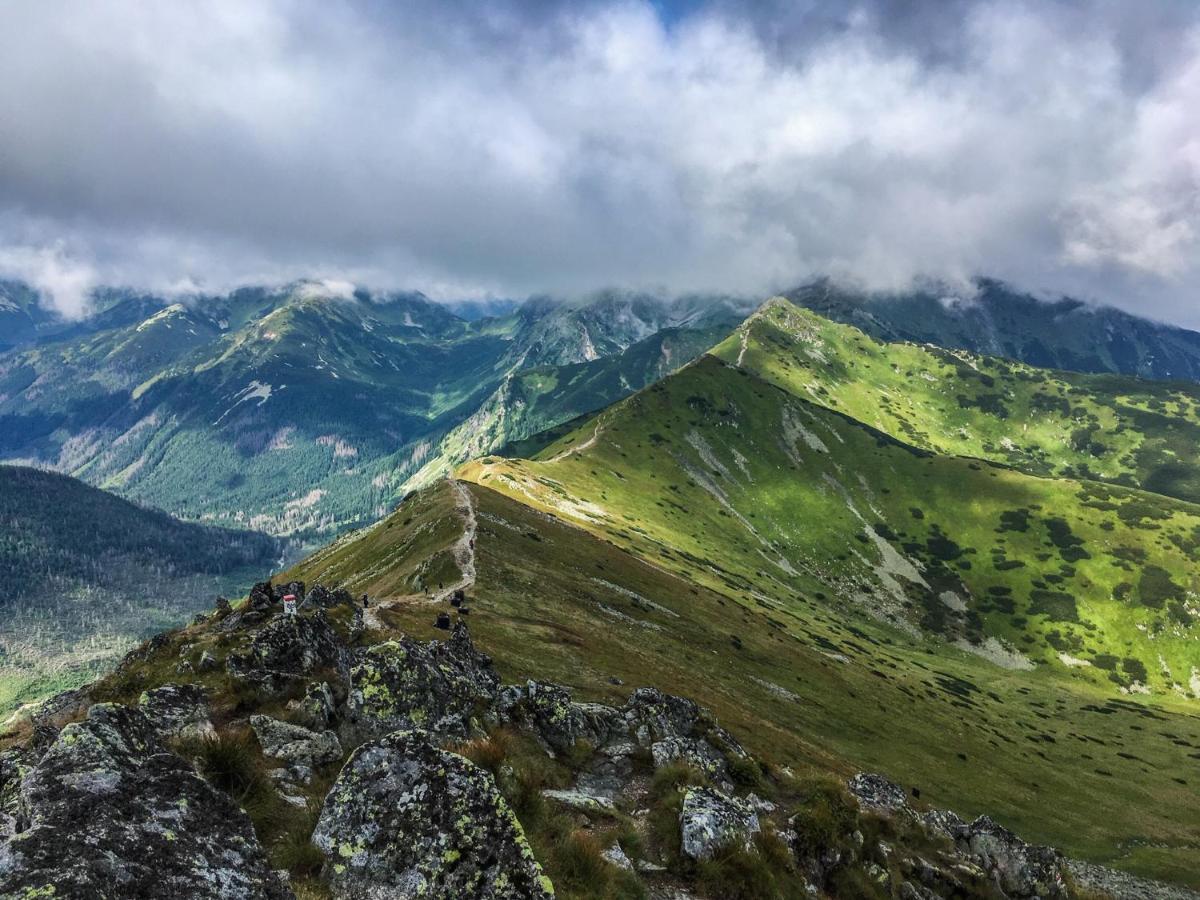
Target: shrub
x,y
489,752
827,815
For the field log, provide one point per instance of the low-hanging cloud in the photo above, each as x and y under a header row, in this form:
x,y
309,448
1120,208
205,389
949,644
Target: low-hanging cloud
x,y
564,147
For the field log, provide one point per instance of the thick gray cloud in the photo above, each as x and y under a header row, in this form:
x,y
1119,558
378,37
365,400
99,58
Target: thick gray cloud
x,y
563,147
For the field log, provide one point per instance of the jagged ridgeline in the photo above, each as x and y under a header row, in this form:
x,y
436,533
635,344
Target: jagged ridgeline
x,y
304,412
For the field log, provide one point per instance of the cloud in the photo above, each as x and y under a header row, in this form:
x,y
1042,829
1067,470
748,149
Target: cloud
x,y
64,283
564,147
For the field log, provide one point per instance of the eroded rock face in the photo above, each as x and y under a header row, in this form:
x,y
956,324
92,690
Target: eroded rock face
x,y
108,812
407,684
710,820
405,820
288,648
177,710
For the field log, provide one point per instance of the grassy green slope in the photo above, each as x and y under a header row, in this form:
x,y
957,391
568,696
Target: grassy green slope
x,y
733,482
1106,427
801,684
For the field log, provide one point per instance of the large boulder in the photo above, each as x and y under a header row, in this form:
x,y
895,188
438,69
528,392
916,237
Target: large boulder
x,y
561,723
710,821
295,745
875,793
288,649
405,819
177,710
108,812
405,684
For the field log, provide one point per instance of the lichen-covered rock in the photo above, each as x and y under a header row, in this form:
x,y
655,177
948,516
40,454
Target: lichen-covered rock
x,y
696,752
108,812
325,598
13,764
874,792
1017,868
710,820
437,686
655,716
60,709
318,707
561,723
589,804
295,745
405,819
289,648
177,710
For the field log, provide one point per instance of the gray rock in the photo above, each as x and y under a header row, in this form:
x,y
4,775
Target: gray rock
x,y
1124,886
436,686
876,793
318,708
287,649
710,820
405,819
561,723
207,663
177,710
655,716
696,752
294,744
1018,869
581,802
108,812
617,857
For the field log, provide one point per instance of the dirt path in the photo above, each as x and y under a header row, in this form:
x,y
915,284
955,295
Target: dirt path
x,y
464,558
578,448
464,547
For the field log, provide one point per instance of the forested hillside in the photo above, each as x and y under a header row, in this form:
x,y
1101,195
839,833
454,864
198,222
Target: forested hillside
x,y
86,574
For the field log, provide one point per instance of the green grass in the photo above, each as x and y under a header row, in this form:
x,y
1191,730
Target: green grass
x,y
1112,428
731,482
970,735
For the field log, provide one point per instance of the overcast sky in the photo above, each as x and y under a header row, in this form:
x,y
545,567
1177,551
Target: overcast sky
x,y
509,148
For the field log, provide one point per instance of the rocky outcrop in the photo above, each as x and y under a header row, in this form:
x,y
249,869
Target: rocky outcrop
x,y
318,707
108,812
710,821
406,684
1123,886
323,597
876,793
1014,868
408,820
295,745
289,648
177,710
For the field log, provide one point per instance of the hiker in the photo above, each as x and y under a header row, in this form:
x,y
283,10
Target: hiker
x,y
365,601
289,604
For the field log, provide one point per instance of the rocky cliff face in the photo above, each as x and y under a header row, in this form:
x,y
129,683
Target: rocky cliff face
x,y
256,754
